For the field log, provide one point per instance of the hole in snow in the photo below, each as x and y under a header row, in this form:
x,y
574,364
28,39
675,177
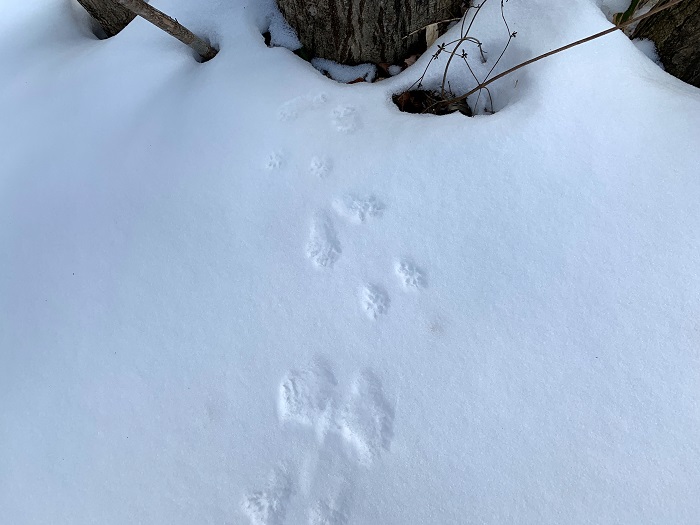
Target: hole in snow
x,y
213,44
427,101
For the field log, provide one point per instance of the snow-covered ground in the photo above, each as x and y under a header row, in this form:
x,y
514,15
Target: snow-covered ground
x,y
239,292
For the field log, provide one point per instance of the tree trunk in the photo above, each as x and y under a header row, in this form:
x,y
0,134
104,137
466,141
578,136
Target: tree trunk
x,y
356,31
111,16
676,33
114,15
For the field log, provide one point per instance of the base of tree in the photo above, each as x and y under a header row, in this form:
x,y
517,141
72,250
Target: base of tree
x,y
676,33
357,31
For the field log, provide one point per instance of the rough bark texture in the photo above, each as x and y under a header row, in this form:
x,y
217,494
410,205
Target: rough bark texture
x,y
111,16
356,31
676,33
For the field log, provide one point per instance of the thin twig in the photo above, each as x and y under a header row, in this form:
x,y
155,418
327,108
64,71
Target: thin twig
x,y
420,79
510,38
478,7
503,16
427,26
461,40
463,56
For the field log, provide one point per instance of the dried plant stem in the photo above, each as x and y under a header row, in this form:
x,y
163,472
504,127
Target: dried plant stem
x,y
564,48
464,37
447,20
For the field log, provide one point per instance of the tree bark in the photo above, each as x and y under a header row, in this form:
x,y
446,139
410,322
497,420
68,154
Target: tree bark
x,y
676,33
111,16
356,31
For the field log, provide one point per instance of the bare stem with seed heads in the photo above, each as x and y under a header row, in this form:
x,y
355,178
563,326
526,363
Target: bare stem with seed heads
x,y
563,48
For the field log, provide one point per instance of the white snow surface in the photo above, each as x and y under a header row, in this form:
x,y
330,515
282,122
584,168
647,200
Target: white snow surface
x,y
343,73
202,319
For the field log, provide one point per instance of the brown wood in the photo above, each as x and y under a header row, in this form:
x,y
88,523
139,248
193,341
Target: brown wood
x,y
356,31
170,26
676,33
110,16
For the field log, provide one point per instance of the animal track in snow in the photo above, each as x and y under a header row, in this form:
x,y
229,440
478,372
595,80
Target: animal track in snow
x,y
374,300
274,161
323,247
320,167
294,108
345,119
269,506
367,420
358,209
328,513
364,423
306,397
410,275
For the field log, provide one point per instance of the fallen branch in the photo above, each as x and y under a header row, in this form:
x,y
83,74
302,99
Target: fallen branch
x,y
170,26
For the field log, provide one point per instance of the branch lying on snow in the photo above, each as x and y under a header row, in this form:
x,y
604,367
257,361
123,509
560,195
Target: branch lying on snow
x,y
170,26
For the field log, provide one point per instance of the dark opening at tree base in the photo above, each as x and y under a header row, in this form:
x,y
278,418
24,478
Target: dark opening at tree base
x,y
214,50
430,102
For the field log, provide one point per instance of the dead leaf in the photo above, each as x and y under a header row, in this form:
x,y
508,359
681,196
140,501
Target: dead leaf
x,y
431,34
410,60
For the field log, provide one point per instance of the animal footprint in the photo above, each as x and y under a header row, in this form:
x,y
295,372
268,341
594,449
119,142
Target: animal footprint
x,y
367,421
323,247
345,119
374,301
320,167
269,506
358,209
274,161
327,513
292,109
410,275
306,397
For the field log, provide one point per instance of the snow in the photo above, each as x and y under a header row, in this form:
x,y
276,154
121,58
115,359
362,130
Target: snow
x,y
394,70
648,47
281,33
343,73
240,292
